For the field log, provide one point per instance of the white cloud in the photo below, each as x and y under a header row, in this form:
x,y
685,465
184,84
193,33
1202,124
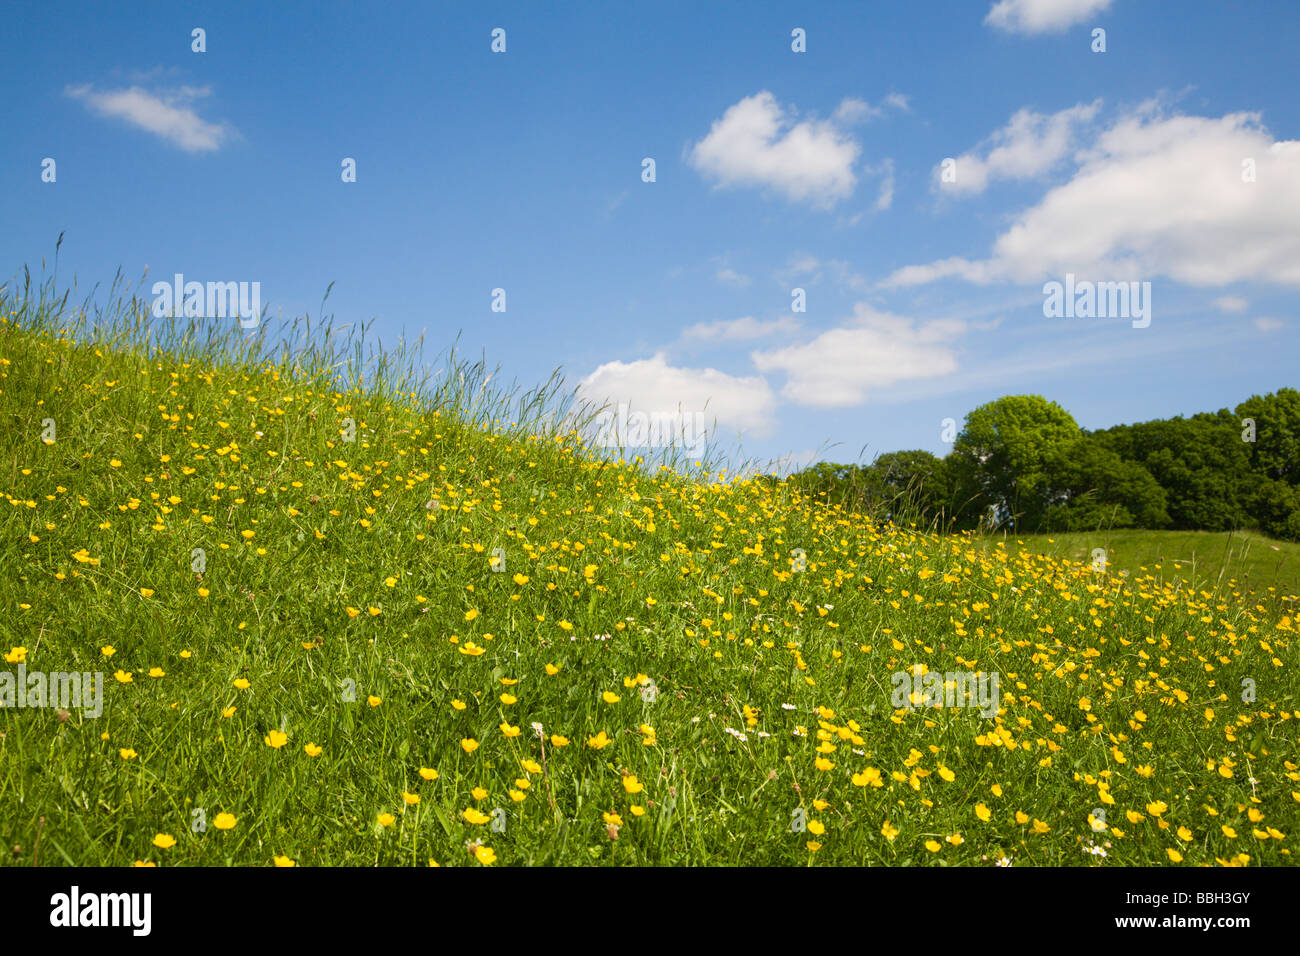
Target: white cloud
x,y
1156,196
853,109
874,350
1042,16
732,277
940,269
165,113
1030,145
757,143
898,101
1267,324
803,265
655,387
1233,304
885,198
841,272
739,330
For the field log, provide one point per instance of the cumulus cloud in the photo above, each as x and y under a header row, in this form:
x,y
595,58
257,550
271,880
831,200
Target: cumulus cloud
x,y
1268,324
655,387
739,330
873,350
1042,16
1030,145
168,114
759,143
1156,195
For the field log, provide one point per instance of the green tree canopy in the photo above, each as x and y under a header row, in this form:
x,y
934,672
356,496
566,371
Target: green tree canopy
x,y
1003,456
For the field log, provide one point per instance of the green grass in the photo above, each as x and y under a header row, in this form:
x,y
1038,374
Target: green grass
x,y
1225,561
730,647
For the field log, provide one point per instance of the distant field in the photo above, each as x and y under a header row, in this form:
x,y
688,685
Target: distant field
x,y
1256,562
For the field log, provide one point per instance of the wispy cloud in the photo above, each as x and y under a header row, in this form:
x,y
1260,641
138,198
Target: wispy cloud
x,y
1232,304
167,113
810,270
739,330
853,109
885,198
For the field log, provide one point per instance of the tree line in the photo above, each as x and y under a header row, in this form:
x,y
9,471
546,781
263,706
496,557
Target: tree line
x,y
1022,463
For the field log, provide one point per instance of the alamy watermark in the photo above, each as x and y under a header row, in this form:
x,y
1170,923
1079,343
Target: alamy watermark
x,y
623,428
919,688
1098,300
59,689
75,908
216,300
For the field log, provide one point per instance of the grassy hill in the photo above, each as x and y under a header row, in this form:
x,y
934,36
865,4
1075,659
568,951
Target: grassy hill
x,y
452,639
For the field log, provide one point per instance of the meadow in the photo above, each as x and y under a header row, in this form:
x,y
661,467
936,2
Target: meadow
x,y
1222,561
348,614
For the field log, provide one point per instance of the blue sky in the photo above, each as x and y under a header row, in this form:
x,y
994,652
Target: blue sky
x,y
774,170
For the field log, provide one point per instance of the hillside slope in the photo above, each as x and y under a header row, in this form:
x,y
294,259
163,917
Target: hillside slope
x,y
448,642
